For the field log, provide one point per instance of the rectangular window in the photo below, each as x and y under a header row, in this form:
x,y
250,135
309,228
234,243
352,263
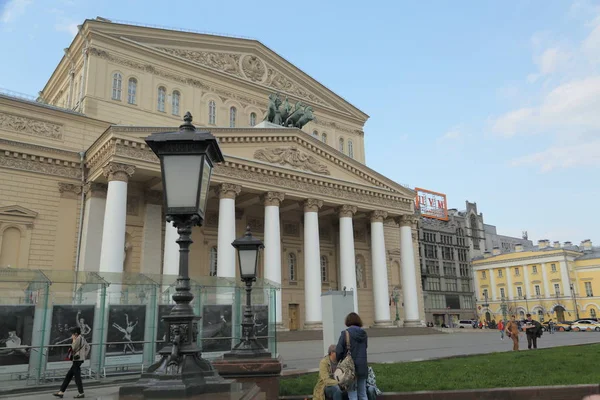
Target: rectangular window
x,y
449,269
451,285
499,273
433,284
467,302
465,285
432,267
485,294
447,253
557,289
534,269
430,251
517,272
438,301
553,267
537,290
519,291
483,275
464,270
588,289
502,293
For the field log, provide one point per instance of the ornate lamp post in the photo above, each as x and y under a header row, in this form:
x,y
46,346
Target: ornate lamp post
x,y
526,303
574,295
186,159
396,297
248,248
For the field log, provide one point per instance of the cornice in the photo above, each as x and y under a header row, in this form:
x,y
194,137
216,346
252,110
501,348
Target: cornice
x,y
4,143
537,259
44,165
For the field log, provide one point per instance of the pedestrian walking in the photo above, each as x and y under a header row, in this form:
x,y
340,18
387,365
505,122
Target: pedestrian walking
x,y
78,352
512,331
533,331
358,350
551,326
501,329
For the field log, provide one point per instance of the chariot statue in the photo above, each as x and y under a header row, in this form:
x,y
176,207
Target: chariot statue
x,y
281,112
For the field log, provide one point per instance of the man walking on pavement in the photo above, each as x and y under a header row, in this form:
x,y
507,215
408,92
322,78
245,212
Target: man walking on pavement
x,y
533,331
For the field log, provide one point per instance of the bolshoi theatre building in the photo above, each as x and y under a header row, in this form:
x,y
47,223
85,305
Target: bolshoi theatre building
x,y
81,191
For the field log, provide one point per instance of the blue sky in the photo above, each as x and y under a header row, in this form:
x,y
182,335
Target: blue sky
x,y
496,102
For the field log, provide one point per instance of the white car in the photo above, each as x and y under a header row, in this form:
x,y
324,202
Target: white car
x,y
466,323
586,324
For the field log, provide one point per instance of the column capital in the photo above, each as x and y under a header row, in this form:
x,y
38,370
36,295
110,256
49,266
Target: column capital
x,y
69,190
346,211
153,197
95,189
272,198
228,190
118,172
378,216
408,220
312,205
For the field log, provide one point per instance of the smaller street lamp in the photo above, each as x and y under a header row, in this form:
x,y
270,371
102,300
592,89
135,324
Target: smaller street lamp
x,y
248,248
574,295
396,297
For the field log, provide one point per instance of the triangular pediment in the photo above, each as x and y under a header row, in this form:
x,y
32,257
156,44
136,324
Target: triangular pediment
x,y
245,59
17,211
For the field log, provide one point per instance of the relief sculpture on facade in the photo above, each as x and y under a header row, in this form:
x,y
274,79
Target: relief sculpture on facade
x,y
292,156
30,126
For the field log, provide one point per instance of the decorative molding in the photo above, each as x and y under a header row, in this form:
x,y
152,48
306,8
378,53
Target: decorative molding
x,y
30,126
15,211
272,198
133,205
312,205
29,146
359,235
135,152
247,67
255,224
69,190
153,197
333,125
378,216
228,190
408,220
43,165
393,254
95,189
118,172
346,211
292,156
291,228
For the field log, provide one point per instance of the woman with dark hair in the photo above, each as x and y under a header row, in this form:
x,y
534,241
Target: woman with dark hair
x,y
79,350
358,351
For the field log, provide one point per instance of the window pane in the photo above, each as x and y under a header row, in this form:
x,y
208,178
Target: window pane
x,y
131,91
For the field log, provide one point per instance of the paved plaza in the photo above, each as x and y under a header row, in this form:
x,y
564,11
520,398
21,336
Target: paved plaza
x,y
306,355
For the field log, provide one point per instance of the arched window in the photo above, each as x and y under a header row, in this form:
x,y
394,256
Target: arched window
x,y
162,92
315,134
324,137
11,248
212,112
252,119
232,116
117,86
213,262
522,314
592,313
292,268
350,149
131,90
341,145
175,103
324,269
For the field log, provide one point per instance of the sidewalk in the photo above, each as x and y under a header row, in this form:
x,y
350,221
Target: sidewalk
x,y
95,393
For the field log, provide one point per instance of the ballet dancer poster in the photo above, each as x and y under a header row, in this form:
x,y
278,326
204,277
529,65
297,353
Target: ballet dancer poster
x,y
126,326
216,328
260,315
161,326
65,317
16,330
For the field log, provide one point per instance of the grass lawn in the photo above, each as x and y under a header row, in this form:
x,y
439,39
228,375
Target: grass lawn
x,y
568,365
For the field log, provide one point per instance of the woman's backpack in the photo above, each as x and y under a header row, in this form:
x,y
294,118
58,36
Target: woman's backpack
x,y
345,373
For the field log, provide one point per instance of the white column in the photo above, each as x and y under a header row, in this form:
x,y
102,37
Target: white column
x,y
547,292
272,201
171,253
381,295
564,277
152,234
93,226
527,285
409,274
226,232
478,291
509,284
312,265
493,283
347,255
115,217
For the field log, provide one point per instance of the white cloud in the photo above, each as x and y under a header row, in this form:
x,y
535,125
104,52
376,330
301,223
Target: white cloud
x,y
453,135
13,9
563,156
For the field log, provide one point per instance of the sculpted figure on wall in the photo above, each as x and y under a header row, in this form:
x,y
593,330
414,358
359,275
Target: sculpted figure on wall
x,y
291,156
285,116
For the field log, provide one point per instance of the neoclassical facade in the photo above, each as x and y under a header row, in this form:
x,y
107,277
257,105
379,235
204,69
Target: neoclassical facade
x,y
81,190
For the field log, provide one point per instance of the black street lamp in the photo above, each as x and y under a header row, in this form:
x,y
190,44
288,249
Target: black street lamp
x,y
248,248
186,159
574,296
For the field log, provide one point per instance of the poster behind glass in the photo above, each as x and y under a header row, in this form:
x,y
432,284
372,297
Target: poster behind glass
x,y
161,327
126,326
216,328
64,318
260,314
16,330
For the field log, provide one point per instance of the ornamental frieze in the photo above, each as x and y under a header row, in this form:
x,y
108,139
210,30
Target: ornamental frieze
x,y
30,126
136,153
292,156
39,166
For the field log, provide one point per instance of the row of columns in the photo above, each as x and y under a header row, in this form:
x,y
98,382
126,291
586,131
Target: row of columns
x,y
113,243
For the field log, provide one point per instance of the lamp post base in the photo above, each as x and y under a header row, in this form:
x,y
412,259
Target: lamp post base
x,y
263,371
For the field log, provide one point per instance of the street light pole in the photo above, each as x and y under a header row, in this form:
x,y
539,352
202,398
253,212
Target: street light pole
x,y
574,296
526,304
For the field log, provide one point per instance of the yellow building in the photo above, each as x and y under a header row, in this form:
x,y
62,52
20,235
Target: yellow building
x,y
550,281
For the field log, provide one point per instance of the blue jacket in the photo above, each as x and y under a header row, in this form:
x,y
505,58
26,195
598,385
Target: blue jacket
x,y
358,349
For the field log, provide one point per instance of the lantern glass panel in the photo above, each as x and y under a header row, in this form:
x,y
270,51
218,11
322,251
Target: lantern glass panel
x,y
181,180
206,172
248,260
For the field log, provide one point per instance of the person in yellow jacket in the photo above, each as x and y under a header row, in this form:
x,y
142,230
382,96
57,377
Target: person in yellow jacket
x,y
327,387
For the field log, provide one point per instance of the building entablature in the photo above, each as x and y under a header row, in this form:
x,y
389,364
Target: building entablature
x,y
479,265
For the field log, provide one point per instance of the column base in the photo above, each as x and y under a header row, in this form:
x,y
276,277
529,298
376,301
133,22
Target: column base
x,y
383,324
415,323
280,328
313,326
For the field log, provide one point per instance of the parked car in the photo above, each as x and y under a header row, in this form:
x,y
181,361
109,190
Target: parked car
x,y
586,324
467,323
565,325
